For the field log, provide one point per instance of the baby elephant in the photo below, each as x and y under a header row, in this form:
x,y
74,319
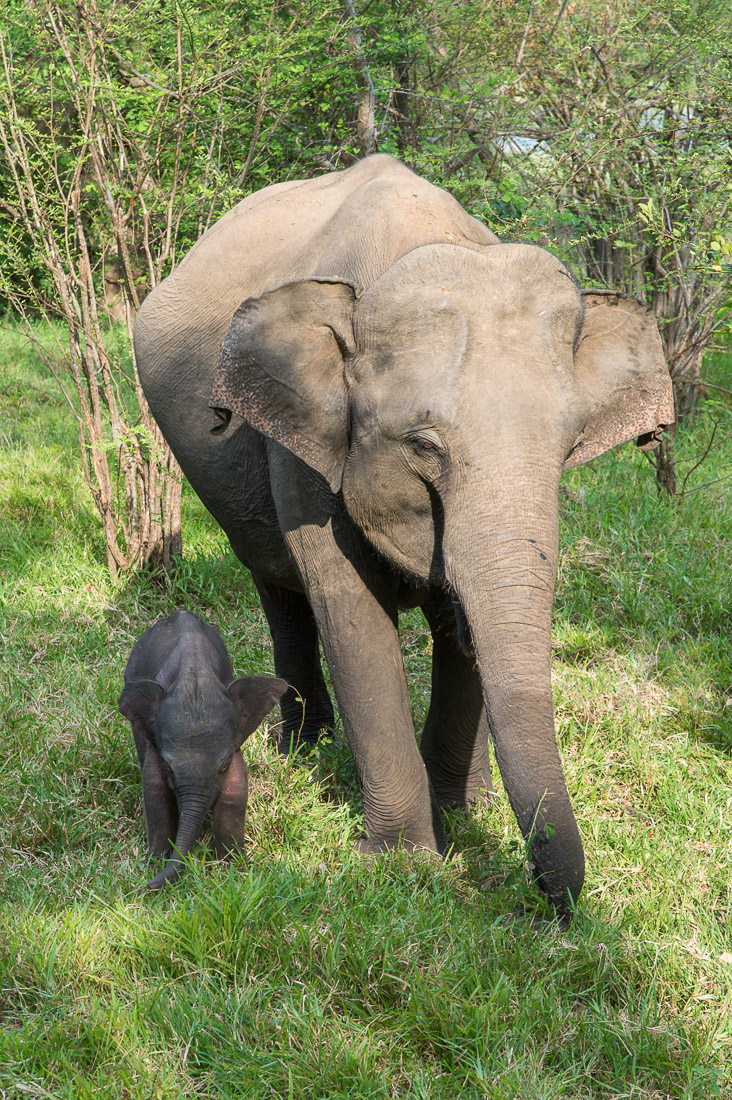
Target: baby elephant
x,y
189,717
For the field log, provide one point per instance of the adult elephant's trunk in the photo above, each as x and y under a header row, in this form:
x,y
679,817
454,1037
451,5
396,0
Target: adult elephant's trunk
x,y
192,809
500,556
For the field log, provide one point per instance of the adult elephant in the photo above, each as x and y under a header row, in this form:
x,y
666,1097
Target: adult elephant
x,y
396,395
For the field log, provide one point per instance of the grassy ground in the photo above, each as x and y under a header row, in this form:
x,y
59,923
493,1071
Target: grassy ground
x,y
300,970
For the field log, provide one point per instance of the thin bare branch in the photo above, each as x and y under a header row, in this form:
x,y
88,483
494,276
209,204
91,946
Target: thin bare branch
x,y
366,126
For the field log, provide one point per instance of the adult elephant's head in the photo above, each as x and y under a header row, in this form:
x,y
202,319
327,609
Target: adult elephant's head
x,y
444,402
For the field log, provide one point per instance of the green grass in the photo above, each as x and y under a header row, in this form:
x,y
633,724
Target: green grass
x,y
300,970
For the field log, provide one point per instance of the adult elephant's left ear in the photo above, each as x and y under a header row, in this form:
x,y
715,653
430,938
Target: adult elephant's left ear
x,y
619,365
281,368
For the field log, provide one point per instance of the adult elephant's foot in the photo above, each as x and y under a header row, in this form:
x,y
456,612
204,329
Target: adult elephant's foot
x,y
558,865
420,830
457,789
365,846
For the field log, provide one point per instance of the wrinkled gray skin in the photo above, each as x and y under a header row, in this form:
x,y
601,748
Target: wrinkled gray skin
x,y
190,717
397,394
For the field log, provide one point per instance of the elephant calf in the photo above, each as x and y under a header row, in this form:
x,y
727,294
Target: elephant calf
x,y
190,717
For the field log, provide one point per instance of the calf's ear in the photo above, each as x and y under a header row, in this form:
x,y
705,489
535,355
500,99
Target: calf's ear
x,y
255,697
140,700
620,367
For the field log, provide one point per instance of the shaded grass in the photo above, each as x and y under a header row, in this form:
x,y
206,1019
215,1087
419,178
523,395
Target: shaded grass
x,y
300,969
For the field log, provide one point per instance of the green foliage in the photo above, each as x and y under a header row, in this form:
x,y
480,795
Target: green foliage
x,y
599,128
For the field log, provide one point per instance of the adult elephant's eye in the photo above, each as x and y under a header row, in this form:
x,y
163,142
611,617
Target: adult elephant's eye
x,y
422,444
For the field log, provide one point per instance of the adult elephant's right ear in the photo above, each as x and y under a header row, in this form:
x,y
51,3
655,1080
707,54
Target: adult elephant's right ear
x,y
281,368
620,368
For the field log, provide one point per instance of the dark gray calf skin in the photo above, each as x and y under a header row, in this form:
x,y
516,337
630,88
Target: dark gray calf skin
x,y
190,717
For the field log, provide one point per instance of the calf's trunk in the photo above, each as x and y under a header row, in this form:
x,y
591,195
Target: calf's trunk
x,y
192,811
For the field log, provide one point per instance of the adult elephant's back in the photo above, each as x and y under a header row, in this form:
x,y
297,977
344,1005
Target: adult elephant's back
x,y
350,225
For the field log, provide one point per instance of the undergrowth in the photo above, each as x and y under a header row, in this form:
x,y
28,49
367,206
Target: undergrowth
x,y
300,970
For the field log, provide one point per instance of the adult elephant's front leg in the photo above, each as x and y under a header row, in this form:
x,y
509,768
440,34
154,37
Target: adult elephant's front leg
x,y
455,737
297,660
354,604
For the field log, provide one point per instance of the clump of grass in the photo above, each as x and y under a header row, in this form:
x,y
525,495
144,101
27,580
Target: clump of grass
x,y
300,969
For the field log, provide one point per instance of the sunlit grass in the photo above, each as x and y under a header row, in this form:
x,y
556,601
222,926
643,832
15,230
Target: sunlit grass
x,y
301,970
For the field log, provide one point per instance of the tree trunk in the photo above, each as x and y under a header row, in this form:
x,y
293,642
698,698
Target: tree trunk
x,y
664,461
366,124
